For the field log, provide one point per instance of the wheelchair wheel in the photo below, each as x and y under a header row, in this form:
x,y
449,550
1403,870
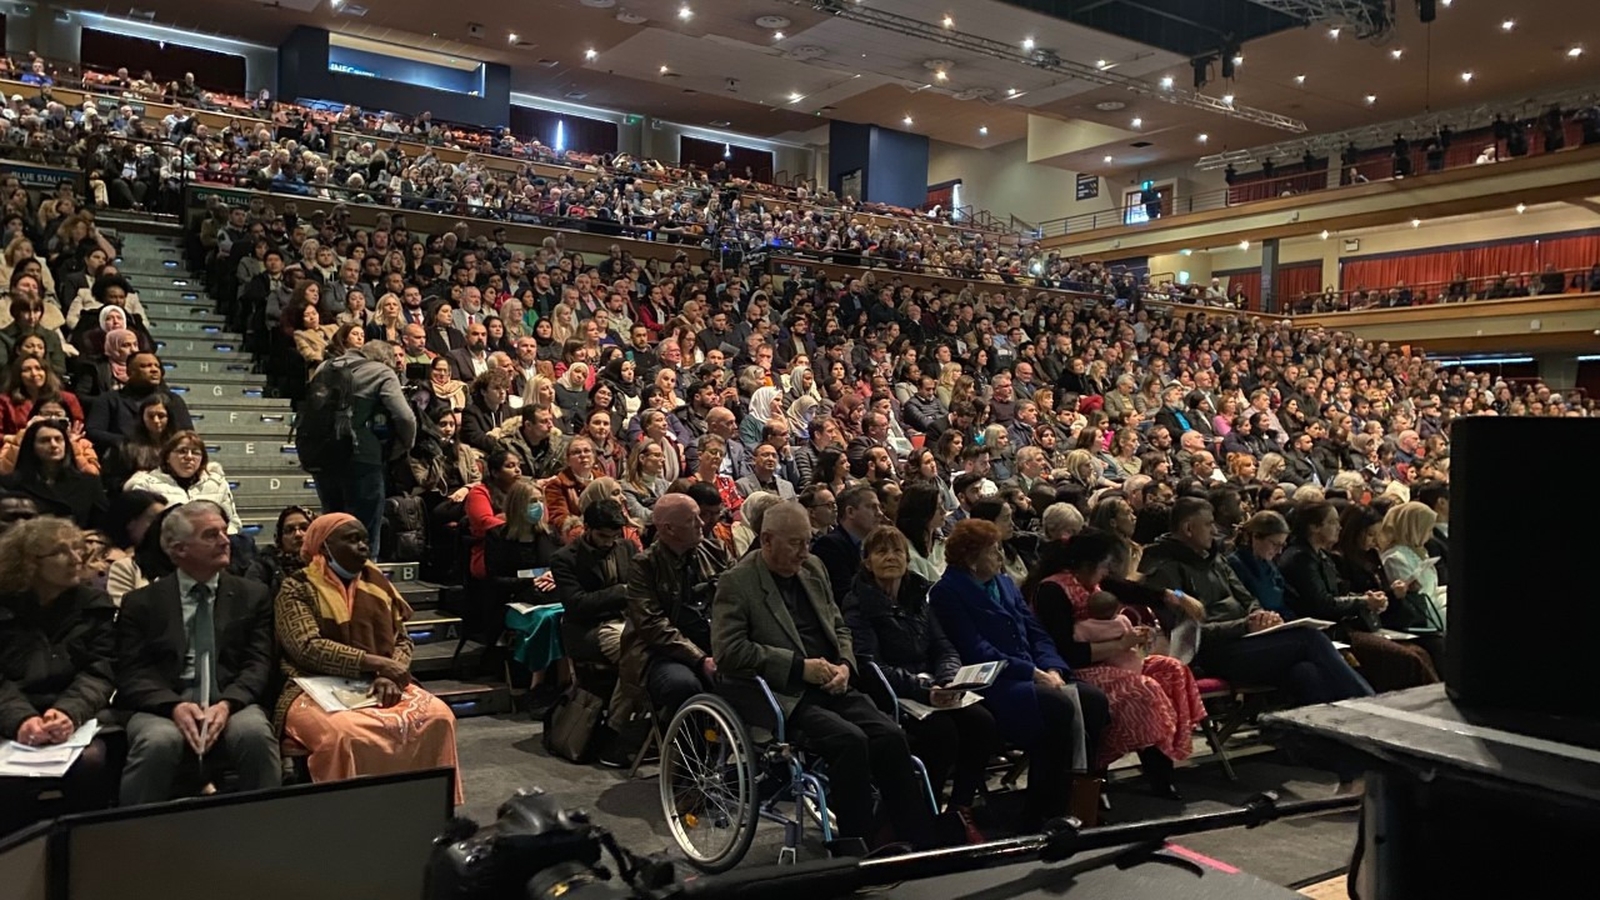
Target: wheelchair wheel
x,y
708,784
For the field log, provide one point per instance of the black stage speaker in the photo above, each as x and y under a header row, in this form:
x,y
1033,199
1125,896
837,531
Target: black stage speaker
x,y
1524,596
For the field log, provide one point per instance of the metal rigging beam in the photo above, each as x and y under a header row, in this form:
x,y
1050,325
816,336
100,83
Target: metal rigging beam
x,y
1367,18
1049,62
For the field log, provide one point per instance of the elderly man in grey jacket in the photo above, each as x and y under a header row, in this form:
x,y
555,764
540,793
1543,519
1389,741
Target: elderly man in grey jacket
x,y
775,617
385,429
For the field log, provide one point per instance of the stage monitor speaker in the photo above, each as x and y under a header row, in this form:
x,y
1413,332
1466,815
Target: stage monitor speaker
x,y
25,864
336,840
1524,596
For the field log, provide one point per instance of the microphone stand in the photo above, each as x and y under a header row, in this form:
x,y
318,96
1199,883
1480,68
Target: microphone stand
x,y
1061,840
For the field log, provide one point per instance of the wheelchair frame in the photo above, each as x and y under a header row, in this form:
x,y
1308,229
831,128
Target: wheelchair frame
x,y
768,775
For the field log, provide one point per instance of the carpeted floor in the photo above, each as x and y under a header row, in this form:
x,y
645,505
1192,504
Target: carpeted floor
x,y
502,754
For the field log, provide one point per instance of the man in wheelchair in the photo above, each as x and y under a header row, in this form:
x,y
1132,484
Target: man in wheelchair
x,y
775,617
665,655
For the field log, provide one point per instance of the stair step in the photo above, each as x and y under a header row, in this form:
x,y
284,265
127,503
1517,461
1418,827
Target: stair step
x,y
237,371
441,657
239,403
422,595
433,629
182,310
405,570
467,698
197,390
204,349
176,329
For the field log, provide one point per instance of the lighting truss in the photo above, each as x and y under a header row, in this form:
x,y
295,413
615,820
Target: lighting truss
x,y
1365,18
1048,61
1378,135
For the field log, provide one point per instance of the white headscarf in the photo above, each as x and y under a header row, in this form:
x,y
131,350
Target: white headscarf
x,y
761,404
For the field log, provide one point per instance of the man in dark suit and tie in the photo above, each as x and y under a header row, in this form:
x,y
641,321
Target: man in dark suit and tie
x,y
194,663
774,616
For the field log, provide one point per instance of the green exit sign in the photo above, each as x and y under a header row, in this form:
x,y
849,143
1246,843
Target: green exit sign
x,y
631,119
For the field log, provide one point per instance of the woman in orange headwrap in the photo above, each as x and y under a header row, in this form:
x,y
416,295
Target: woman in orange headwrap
x,y
340,616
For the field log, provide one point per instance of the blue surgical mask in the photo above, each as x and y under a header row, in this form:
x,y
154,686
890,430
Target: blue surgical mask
x,y
341,571
535,512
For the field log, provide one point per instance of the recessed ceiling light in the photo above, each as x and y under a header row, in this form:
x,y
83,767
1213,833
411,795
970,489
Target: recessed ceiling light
x,y
512,37
1575,52
906,120
949,22
1522,208
1238,59
1228,99
940,75
1416,223
1138,122
1299,79
1011,92
1371,99
591,53
1101,64
1466,76
663,69
1027,43
1244,245
1202,137
983,129
1397,52
1508,25
1108,159
1324,234
777,35
1333,33
1166,82
1446,3
796,97
685,13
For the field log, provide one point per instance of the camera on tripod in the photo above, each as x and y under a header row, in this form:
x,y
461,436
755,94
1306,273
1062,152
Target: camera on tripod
x,y
536,849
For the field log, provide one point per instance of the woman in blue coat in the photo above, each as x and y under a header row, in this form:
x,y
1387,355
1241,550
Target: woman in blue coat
x,y
983,615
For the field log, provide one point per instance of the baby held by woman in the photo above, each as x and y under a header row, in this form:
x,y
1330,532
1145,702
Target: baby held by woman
x,y
1106,623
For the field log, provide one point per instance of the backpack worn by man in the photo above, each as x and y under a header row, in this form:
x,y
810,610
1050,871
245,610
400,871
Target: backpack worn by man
x,y
324,431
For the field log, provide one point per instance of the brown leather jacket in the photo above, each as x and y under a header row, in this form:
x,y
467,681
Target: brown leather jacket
x,y
662,604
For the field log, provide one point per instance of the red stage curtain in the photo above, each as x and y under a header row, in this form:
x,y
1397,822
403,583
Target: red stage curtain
x,y
1296,281
1438,267
1293,281
1249,282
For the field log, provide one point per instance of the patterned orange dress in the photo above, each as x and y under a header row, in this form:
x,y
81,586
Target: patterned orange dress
x,y
1157,707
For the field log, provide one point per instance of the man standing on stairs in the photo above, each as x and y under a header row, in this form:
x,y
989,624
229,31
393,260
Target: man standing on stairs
x,y
385,429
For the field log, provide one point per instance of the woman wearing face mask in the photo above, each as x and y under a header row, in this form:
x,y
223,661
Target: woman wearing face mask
x,y
283,560
485,504
523,541
340,615
187,473
47,470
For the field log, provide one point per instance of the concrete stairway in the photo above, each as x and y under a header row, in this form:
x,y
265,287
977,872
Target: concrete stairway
x,y
248,433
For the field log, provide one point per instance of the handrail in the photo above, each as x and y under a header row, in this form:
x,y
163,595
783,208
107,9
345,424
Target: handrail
x,y
1245,192
1429,293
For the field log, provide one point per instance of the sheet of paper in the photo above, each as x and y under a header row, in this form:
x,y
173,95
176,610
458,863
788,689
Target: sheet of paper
x,y
334,694
1318,624
17,761
921,711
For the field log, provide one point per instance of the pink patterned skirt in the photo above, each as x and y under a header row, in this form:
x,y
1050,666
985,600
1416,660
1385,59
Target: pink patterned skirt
x,y
419,732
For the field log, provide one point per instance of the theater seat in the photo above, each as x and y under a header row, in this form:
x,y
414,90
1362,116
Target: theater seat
x,y
1228,708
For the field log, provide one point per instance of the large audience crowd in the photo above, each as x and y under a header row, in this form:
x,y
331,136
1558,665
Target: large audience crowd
x,y
717,474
